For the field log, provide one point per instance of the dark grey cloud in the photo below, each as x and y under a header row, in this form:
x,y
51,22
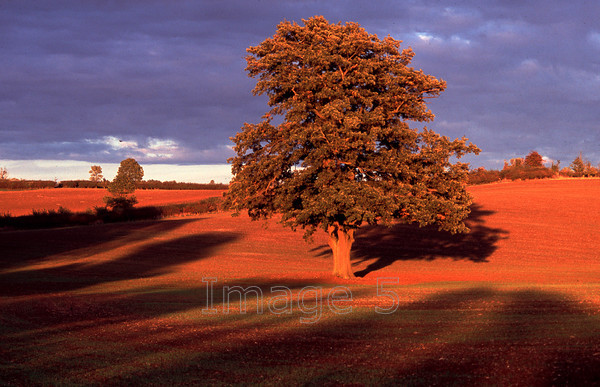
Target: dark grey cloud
x,y
165,82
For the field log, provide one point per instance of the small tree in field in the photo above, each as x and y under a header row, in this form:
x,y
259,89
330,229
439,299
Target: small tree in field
x,y
566,171
129,173
343,154
589,170
555,167
96,173
534,160
578,166
3,173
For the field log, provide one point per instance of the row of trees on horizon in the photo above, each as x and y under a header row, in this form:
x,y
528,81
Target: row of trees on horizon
x,y
119,205
97,180
532,167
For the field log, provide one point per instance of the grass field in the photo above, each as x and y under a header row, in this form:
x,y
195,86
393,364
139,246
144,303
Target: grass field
x,y
515,302
19,203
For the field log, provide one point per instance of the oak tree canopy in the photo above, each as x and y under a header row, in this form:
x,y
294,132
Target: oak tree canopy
x,y
335,150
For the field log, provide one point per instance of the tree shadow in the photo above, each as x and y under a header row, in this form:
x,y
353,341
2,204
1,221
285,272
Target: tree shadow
x,y
386,245
465,337
80,311
151,259
470,336
533,337
23,248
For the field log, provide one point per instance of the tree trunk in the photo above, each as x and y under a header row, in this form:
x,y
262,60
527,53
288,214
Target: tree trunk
x,y
340,241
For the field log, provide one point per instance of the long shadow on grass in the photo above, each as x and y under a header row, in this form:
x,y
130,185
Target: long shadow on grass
x,y
151,259
382,246
462,337
23,248
531,337
103,334
467,337
94,309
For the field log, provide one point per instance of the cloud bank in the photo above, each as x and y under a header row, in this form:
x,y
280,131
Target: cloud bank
x,y
164,82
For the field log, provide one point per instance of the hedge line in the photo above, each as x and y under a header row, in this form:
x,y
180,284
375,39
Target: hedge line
x,y
64,217
150,184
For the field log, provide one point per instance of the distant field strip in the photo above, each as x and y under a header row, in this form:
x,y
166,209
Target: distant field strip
x,y
80,199
515,302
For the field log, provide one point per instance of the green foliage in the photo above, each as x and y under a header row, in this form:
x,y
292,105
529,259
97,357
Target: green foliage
x,y
344,154
129,173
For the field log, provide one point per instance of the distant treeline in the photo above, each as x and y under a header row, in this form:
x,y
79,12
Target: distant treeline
x,y
14,184
532,167
9,184
483,176
155,184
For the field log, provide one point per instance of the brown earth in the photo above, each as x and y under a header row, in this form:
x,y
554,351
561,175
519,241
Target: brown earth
x,y
19,203
545,231
515,302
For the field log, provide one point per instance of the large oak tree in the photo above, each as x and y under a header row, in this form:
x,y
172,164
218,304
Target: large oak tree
x,y
335,150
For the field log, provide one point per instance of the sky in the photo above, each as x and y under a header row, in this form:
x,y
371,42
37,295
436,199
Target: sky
x,y
94,82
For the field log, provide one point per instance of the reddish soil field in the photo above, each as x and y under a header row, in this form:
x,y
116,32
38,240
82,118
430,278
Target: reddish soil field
x,y
515,302
545,231
80,199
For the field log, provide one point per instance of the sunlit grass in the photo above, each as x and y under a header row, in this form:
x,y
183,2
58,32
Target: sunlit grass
x,y
165,335
127,304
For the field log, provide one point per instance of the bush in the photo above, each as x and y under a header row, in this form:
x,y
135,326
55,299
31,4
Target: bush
x,y
155,184
79,184
26,184
46,219
519,169
120,203
150,184
482,176
525,173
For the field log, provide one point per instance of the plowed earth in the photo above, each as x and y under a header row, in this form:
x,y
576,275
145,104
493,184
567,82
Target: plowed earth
x,y
18,203
515,302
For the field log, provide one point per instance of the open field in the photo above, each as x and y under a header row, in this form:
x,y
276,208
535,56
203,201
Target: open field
x,y
515,302
19,203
